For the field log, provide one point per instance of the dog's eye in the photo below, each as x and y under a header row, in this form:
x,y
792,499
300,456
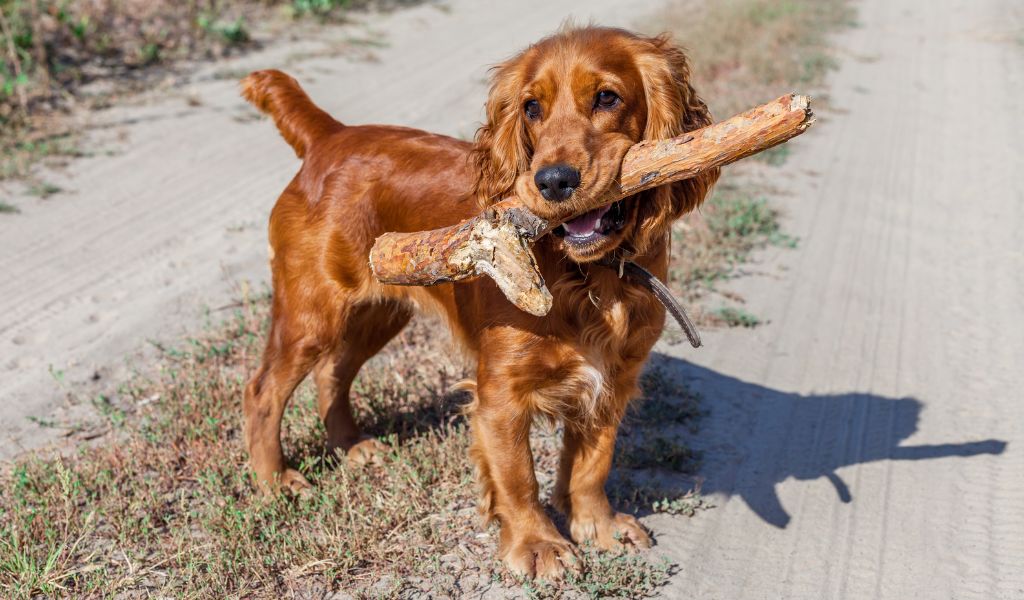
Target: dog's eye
x,y
532,109
605,99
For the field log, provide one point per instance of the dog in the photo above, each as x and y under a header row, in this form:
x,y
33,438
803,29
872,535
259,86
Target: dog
x,y
560,116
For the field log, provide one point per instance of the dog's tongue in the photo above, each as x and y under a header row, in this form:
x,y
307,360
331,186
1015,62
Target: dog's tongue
x,y
586,223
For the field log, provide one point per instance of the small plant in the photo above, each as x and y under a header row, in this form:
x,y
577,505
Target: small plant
x,y
44,189
7,208
736,317
318,8
686,505
19,151
234,32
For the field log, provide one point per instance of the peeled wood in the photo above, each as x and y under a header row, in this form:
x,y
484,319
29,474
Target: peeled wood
x,y
497,242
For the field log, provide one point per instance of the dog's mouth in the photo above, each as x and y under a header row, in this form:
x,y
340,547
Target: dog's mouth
x,y
588,232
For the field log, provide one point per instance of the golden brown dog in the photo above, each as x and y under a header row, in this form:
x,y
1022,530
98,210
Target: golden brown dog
x,y
560,116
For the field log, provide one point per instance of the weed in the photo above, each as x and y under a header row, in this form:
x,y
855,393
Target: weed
x,y
319,8
234,32
736,317
686,505
42,421
7,208
44,189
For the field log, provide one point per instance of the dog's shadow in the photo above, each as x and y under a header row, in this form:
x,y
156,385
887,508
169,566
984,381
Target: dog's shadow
x,y
750,439
754,437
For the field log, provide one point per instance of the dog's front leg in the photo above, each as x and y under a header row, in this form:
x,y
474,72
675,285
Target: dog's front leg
x,y
580,490
530,544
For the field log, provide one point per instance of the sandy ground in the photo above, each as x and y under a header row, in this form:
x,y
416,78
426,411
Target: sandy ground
x,y
869,441
866,442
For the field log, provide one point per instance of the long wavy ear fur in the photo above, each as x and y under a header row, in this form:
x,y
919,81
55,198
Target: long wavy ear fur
x,y
502,148
673,107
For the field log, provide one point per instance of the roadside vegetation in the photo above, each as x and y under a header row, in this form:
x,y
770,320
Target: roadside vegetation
x,y
52,50
165,502
162,504
743,53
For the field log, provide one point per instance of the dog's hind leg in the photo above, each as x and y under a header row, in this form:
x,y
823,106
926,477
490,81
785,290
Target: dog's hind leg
x,y
288,358
366,330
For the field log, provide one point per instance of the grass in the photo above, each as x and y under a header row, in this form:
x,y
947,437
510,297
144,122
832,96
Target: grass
x,y
164,506
166,503
8,208
711,247
21,148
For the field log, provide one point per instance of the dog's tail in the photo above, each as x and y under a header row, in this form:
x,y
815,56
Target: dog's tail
x,y
300,122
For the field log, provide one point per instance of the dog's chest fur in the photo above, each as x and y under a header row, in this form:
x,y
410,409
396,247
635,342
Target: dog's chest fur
x,y
606,331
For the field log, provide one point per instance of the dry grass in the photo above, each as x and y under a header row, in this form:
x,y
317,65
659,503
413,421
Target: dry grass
x,y
163,505
166,503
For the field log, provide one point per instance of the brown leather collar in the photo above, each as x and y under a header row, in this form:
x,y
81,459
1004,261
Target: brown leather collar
x,y
636,274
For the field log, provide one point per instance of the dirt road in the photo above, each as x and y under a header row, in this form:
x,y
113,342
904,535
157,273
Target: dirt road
x,y
869,441
866,442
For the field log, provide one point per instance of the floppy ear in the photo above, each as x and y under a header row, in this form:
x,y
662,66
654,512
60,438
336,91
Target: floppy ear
x,y
673,108
502,149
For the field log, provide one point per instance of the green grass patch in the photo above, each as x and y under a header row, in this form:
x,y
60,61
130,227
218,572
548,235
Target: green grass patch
x,y
776,156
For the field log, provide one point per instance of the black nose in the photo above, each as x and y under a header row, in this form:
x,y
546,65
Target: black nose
x,y
557,182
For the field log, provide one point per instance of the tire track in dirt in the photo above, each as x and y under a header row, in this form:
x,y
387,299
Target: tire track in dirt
x,y
867,442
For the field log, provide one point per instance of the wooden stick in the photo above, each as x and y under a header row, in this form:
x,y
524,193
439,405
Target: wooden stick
x,y
497,242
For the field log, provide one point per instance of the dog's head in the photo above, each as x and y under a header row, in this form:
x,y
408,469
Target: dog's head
x,y
563,113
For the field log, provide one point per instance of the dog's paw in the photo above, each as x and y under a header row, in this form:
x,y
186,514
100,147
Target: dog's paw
x,y
541,557
292,481
367,451
616,533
